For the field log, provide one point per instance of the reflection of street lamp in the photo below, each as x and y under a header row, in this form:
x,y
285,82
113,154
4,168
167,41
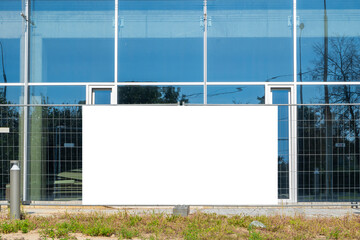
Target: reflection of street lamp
x,y
301,87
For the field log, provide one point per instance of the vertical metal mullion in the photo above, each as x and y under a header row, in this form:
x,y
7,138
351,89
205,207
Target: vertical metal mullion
x,y
293,118
116,42
205,51
26,90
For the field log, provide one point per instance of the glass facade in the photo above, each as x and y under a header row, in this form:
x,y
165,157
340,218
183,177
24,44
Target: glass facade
x,y
250,41
72,41
11,36
160,94
328,41
236,94
160,41
253,52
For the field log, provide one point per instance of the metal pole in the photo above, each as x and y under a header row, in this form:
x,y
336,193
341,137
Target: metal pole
x,y
205,51
15,192
26,99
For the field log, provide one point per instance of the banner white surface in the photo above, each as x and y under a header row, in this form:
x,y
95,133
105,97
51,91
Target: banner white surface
x,y
169,155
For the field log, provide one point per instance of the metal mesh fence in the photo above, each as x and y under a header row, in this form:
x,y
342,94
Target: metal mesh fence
x,y
9,145
327,153
55,156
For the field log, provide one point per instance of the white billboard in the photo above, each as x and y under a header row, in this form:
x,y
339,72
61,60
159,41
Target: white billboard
x,y
169,155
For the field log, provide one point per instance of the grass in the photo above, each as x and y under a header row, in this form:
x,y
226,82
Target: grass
x,y
197,226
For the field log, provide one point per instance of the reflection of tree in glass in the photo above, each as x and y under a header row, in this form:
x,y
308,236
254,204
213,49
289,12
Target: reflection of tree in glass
x,y
150,95
343,65
325,128
9,142
343,60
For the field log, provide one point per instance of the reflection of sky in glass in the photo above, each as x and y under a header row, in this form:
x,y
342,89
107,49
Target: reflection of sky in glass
x,y
11,54
13,94
58,94
330,4
72,47
282,97
337,94
10,5
160,60
10,33
235,94
250,59
249,41
160,41
78,60
160,5
102,96
249,4
72,5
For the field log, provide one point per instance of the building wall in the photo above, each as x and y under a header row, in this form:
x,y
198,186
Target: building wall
x,y
162,52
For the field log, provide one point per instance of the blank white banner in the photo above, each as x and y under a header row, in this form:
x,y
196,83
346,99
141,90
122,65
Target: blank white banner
x,y
169,155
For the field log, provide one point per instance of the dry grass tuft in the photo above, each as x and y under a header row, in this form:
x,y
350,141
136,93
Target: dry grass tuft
x,y
197,226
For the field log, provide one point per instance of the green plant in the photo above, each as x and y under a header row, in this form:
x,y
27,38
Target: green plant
x,y
99,229
133,220
128,233
192,232
48,232
9,227
335,234
255,236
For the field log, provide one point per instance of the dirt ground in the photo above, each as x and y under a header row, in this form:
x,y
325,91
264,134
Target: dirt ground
x,y
35,235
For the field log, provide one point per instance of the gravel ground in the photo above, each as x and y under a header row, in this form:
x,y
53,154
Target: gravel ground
x,y
308,211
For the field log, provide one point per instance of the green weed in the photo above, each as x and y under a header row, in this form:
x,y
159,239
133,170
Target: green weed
x,y
192,232
128,233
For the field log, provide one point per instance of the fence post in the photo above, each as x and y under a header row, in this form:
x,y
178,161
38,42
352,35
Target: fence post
x,y
15,192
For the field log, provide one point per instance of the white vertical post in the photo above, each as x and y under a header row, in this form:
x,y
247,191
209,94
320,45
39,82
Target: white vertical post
x,y
116,35
293,117
205,51
26,98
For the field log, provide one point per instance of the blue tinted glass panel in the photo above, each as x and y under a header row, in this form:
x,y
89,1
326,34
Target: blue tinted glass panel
x,y
235,94
328,41
10,34
282,97
160,94
329,94
10,5
11,95
102,96
250,4
64,5
160,41
161,5
330,4
57,94
249,41
78,60
72,41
